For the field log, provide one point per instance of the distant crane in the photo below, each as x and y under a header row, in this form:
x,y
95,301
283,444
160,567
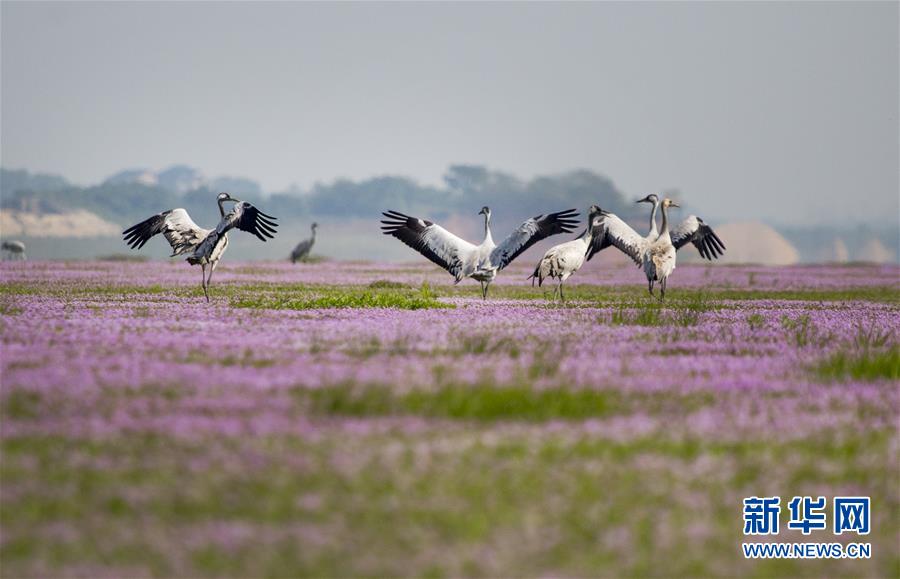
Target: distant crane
x,y
656,257
463,259
563,260
14,249
301,252
205,246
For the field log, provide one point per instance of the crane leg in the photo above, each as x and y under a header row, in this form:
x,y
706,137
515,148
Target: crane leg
x,y
486,286
650,286
203,281
662,290
212,268
562,297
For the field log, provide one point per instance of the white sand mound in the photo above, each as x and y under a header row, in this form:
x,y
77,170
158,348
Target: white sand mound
x,y
79,223
875,252
839,251
752,243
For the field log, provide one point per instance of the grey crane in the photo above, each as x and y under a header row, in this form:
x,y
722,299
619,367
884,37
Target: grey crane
x,y
563,260
691,230
656,256
463,259
301,252
203,247
15,249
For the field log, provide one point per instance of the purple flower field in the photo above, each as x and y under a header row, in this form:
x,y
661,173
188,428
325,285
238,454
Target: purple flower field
x,y
373,419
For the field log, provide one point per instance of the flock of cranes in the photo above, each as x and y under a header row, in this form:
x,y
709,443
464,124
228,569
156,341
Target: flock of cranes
x,y
655,252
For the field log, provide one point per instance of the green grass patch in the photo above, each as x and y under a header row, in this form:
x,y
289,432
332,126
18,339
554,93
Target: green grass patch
x,y
491,402
387,284
685,312
756,322
861,365
22,404
360,300
341,297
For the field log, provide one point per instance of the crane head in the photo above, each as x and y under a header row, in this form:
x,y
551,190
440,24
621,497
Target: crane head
x,y
669,203
223,197
485,211
651,198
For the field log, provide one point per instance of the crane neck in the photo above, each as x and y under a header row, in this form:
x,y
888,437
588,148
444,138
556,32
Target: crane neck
x,y
221,209
589,230
664,232
488,240
653,230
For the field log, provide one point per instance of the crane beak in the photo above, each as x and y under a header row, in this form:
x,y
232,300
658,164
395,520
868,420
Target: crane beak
x,y
673,204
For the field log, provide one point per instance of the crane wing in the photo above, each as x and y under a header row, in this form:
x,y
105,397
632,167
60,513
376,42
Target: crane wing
x,y
176,225
613,231
694,230
429,239
530,232
246,217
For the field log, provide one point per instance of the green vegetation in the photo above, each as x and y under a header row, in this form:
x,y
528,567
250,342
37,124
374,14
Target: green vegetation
x,y
685,312
861,365
576,295
22,404
342,297
488,402
387,284
756,321
802,331
7,308
339,506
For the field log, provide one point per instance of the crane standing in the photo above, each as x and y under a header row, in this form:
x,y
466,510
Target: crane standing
x,y
15,249
563,260
301,252
205,246
655,256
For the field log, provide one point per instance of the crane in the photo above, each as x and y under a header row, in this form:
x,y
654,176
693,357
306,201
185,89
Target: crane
x,y
15,249
463,259
203,247
655,256
563,260
301,252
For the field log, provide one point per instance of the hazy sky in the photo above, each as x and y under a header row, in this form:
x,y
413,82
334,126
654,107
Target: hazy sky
x,y
781,111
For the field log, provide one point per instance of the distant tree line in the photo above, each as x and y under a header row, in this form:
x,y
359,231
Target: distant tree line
x,y
466,188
